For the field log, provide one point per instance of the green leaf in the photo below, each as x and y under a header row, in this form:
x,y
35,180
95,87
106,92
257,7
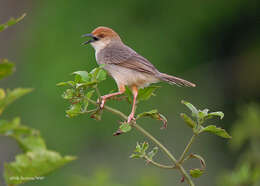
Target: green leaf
x,y
188,120
152,153
6,68
97,114
138,147
86,102
218,131
6,126
195,173
101,76
193,109
2,94
202,113
68,94
84,76
11,22
146,93
31,143
98,74
27,138
155,115
125,127
140,150
219,114
62,84
33,164
74,110
11,96
68,83
202,161
145,146
136,156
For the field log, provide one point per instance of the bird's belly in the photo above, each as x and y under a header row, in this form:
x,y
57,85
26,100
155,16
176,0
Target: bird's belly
x,y
124,76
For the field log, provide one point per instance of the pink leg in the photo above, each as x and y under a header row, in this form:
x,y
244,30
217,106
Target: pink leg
x,y
105,97
135,93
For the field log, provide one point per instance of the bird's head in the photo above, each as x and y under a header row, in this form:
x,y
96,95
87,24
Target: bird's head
x,y
101,37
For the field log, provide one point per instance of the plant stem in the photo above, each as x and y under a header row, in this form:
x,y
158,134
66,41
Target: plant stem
x,y
158,164
98,92
147,134
187,148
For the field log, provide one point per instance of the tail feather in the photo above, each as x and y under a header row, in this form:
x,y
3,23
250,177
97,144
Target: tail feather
x,y
175,80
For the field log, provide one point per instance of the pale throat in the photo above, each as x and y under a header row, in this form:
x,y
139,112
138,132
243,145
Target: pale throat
x,y
99,45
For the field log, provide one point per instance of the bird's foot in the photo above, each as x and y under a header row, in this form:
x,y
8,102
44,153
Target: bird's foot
x,y
101,101
131,117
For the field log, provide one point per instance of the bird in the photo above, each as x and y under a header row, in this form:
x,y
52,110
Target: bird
x,y
126,66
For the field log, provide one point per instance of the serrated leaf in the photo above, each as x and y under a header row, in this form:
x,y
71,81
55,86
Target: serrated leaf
x,y
125,127
219,114
6,68
146,93
202,161
31,143
193,109
155,115
28,139
195,173
11,96
32,164
218,131
188,120
11,22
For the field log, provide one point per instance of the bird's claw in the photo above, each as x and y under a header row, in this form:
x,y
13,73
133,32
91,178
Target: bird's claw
x,y
101,101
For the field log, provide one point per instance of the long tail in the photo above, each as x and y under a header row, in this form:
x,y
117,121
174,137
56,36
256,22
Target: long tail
x,y
175,80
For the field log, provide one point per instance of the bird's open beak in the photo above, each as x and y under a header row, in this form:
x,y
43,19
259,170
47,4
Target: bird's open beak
x,y
93,38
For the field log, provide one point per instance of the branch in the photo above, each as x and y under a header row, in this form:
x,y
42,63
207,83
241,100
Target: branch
x,y
187,148
147,134
158,164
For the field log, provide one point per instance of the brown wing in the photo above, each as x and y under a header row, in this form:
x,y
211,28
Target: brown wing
x,y
126,57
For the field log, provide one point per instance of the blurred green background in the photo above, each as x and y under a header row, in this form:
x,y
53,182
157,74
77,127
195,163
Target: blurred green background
x,y
215,44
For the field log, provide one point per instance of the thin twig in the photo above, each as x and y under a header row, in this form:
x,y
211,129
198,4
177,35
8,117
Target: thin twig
x,y
147,134
158,164
98,92
187,148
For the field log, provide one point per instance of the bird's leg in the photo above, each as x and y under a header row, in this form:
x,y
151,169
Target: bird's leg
x,y
105,97
135,93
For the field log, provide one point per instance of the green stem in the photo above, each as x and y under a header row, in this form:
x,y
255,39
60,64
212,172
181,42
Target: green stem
x,y
187,148
147,134
98,92
158,164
